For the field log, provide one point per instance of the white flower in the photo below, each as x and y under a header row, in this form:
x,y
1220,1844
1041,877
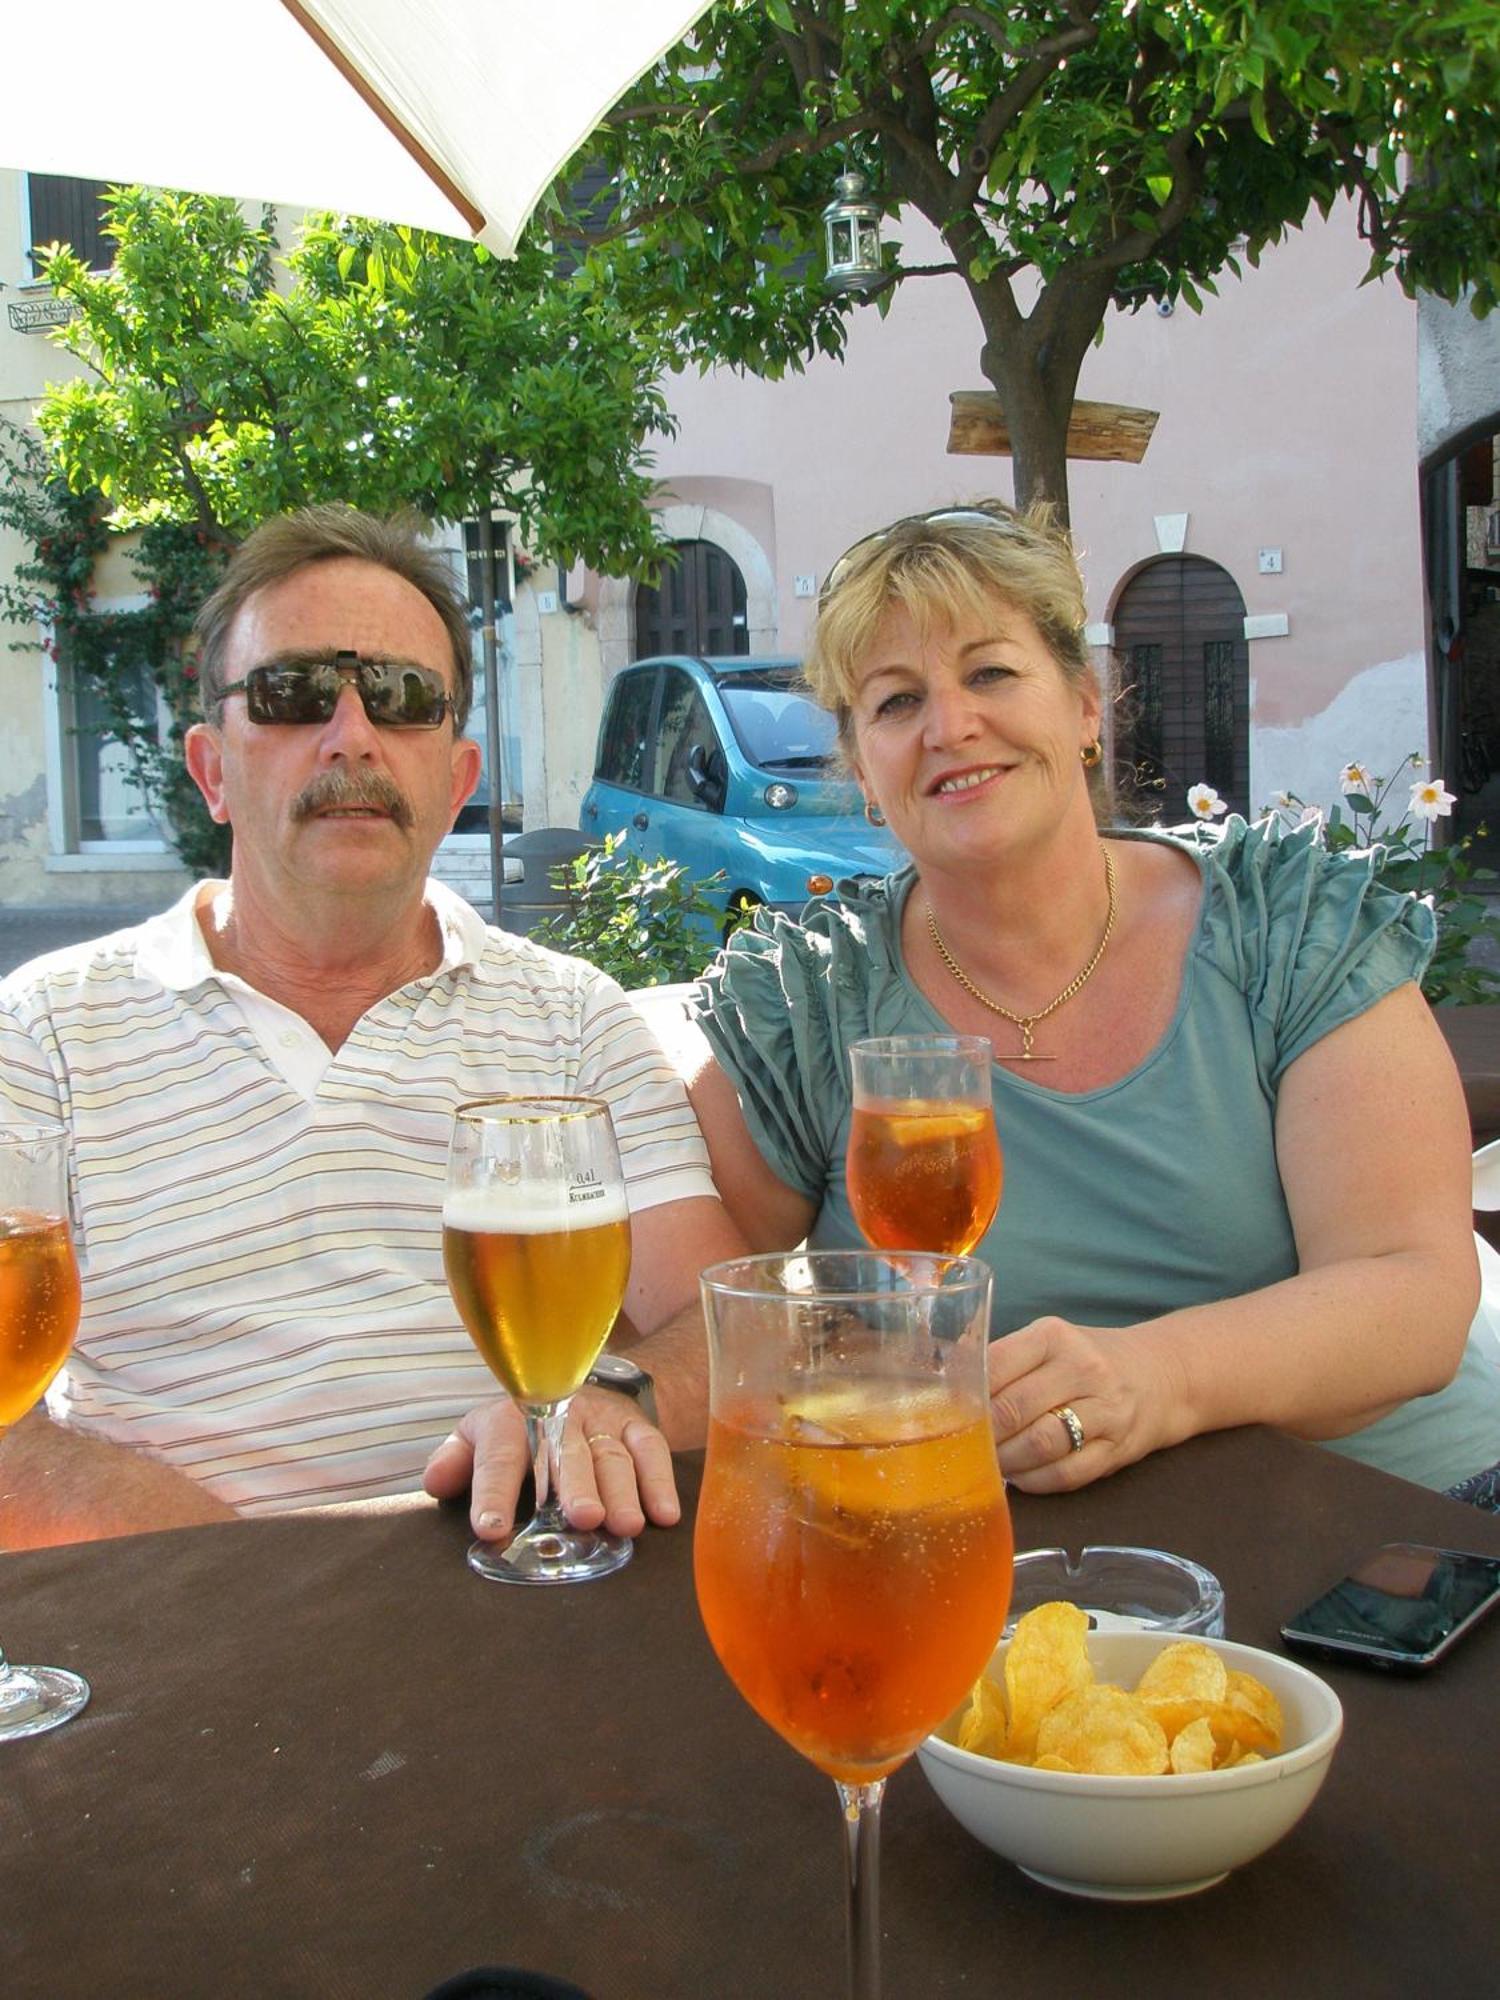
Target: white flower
x,y
1311,816
1205,802
1355,778
1285,802
1429,799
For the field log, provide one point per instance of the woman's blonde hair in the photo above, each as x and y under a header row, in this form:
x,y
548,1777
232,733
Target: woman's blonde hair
x,y
940,567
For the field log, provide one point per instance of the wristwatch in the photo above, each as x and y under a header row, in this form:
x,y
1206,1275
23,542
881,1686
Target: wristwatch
x,y
620,1373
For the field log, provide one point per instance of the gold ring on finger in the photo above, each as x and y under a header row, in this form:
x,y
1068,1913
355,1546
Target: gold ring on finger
x,y
1068,1417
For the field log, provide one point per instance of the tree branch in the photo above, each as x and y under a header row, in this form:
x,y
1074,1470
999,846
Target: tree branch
x,y
993,26
1187,183
1012,101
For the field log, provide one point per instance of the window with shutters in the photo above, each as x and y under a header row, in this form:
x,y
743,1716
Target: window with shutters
x,y
94,800
60,209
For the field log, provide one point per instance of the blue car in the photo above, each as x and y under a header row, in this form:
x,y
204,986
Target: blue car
x,y
727,765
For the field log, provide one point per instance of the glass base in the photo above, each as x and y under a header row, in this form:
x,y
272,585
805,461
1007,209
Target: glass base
x,y
33,1699
547,1555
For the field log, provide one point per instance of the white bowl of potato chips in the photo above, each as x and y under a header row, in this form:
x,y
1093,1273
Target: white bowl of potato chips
x,y
1132,1766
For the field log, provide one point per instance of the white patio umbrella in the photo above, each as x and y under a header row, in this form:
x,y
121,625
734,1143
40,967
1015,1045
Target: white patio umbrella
x,y
451,115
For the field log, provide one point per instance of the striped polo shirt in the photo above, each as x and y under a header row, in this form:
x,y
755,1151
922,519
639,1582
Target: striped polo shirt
x,y
260,1232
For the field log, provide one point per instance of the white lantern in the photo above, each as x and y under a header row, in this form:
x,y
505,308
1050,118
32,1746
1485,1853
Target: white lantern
x,y
851,228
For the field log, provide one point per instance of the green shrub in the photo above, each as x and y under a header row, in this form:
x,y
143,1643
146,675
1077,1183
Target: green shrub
x,y
645,923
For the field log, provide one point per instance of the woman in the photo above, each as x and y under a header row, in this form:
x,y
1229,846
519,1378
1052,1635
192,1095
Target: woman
x,y
1236,1149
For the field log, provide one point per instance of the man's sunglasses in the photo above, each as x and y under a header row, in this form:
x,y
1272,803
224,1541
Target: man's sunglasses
x,y
866,546
395,694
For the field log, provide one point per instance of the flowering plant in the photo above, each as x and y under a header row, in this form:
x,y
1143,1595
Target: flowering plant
x,y
1446,879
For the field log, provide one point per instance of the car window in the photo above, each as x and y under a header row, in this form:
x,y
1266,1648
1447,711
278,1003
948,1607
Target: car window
x,y
685,726
624,743
776,725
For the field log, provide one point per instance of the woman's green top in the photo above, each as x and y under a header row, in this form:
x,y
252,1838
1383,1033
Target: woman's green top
x,y
1156,1191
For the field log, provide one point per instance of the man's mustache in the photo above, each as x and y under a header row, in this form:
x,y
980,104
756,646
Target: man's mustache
x,y
331,790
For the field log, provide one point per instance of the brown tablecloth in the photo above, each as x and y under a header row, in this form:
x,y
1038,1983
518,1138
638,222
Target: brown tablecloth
x,y
323,1759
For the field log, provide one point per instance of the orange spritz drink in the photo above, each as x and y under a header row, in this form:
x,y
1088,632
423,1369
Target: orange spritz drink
x,y
923,1165
853,1548
39,1307
923,1174
850,1556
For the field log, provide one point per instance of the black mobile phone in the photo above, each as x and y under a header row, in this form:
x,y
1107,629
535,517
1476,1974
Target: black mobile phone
x,y
1402,1606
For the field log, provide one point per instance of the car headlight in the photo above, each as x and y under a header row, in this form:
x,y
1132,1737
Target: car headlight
x,y
780,797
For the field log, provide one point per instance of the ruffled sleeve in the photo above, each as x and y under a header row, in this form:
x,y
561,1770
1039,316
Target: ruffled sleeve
x,y
1311,938
781,1004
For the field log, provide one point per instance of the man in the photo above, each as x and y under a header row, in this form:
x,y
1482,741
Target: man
x,y
260,1086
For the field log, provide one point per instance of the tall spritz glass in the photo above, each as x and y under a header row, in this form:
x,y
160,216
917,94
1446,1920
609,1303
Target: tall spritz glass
x,y
536,1245
853,1550
39,1304
923,1166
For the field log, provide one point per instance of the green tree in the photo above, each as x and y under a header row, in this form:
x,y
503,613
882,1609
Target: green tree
x,y
374,364
388,368
1073,155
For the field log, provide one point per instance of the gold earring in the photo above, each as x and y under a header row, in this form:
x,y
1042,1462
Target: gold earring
x,y
873,813
1092,754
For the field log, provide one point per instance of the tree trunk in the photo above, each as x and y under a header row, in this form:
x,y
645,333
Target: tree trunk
x,y
1033,363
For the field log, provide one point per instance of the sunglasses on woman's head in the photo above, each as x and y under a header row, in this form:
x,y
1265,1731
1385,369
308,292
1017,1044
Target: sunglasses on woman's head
x,y
395,694
867,544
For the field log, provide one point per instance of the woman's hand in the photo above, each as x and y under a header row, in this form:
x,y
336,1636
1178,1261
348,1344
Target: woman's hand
x,y
1116,1382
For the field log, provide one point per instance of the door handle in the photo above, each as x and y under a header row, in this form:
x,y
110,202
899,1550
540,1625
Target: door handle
x,y
640,822
591,812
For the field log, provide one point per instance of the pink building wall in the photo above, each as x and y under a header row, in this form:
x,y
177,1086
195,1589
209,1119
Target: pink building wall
x,y
1287,421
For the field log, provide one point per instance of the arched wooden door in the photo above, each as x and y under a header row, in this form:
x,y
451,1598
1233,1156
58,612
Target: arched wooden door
x,y
1185,671
698,607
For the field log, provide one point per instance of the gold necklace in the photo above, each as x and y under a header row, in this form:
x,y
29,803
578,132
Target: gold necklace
x,y
1027,1022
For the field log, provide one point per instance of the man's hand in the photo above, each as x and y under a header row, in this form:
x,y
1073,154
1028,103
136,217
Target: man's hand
x,y
616,1467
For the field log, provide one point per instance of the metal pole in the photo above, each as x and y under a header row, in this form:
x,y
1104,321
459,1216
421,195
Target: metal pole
x,y
491,705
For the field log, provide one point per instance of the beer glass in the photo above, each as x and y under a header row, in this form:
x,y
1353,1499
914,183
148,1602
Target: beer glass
x,y
39,1299
536,1245
923,1166
853,1549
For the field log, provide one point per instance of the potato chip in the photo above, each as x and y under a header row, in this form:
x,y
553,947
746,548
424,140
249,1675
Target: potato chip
x,y
1188,1712
1046,1660
1104,1730
1193,1748
1185,1681
1248,1718
982,1729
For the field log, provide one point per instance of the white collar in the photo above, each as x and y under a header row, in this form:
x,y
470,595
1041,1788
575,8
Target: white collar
x,y
173,949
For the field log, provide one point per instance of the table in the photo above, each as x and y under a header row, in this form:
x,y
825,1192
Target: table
x,y
322,1759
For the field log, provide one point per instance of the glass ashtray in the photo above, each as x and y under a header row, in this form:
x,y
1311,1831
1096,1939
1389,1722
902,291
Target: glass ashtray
x,y
1122,1590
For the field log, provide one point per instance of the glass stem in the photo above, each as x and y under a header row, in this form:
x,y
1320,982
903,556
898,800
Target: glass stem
x,y
861,1808
544,1431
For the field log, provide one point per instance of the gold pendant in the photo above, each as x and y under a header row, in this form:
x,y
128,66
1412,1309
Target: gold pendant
x,y
1026,1055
